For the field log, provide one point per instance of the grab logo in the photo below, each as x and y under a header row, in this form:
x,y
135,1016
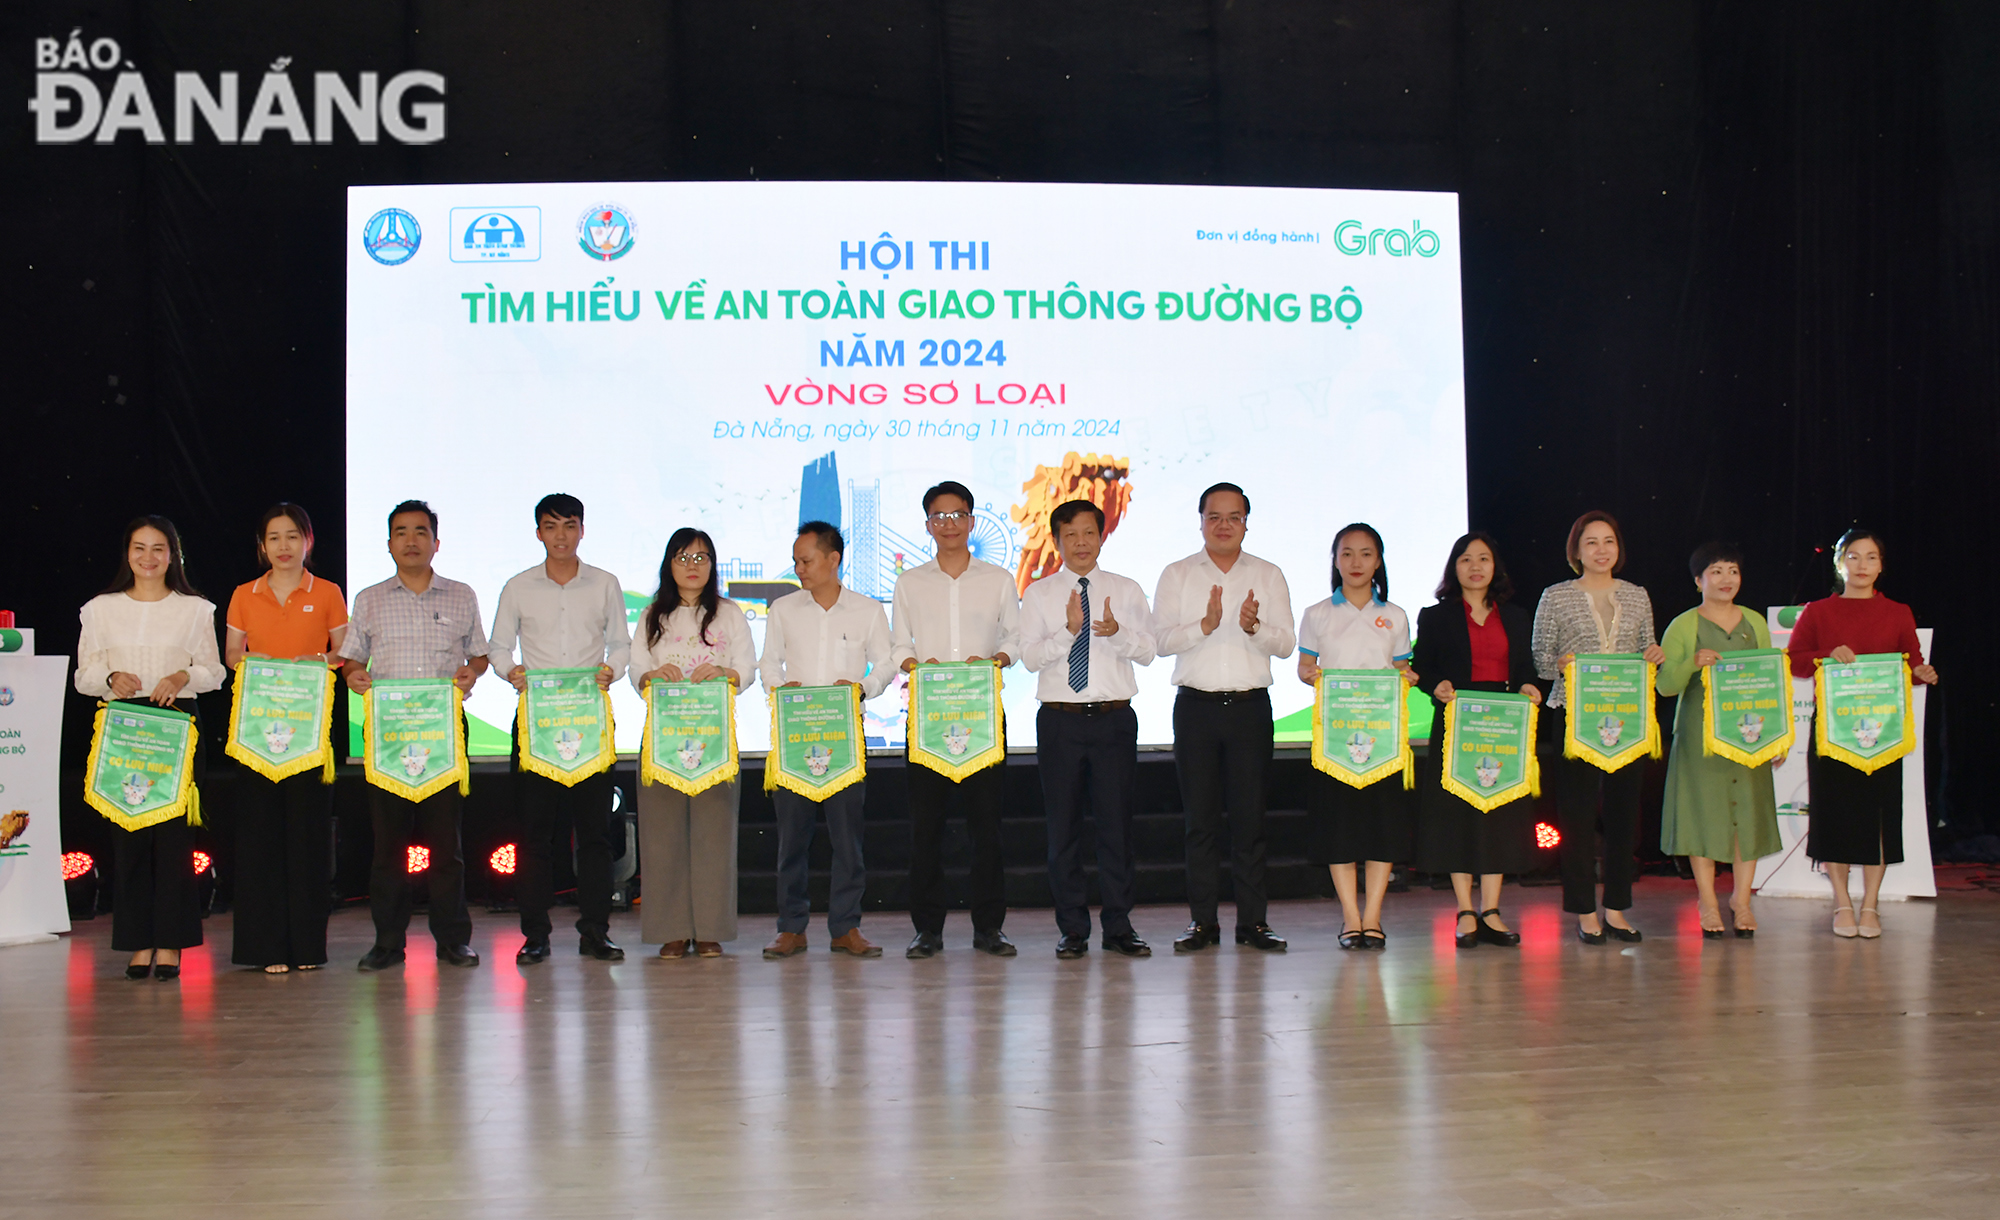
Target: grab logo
x,y
1354,237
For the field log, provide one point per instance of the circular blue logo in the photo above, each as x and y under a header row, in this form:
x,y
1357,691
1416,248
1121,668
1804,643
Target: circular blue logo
x,y
605,232
391,237
6,695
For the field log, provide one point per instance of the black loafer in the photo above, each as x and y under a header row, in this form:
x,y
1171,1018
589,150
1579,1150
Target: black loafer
x,y
995,943
1127,943
533,953
924,944
458,955
378,958
1069,948
1490,935
603,948
1630,936
1260,936
1198,936
1589,938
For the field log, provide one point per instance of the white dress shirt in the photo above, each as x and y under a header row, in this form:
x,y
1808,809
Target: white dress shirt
x,y
1046,637
1227,658
561,626
148,640
815,647
726,644
1343,635
939,617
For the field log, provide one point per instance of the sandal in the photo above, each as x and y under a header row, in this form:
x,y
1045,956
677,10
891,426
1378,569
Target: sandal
x,y
1852,929
1705,910
280,968
1864,931
1746,920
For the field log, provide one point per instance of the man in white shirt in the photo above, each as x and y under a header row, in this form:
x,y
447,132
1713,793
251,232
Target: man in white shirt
x,y
566,615
1224,614
955,608
1082,630
821,635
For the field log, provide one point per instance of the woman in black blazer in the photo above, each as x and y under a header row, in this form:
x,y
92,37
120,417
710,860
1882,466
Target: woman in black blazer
x,y
1473,640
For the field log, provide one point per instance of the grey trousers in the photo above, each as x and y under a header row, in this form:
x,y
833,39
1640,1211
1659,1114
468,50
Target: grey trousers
x,y
687,858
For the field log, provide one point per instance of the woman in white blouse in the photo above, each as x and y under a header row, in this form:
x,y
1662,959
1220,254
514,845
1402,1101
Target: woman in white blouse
x,y
687,844
150,638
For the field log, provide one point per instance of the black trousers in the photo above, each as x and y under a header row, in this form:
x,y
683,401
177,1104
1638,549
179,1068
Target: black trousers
x,y
1090,767
284,869
550,813
434,824
1223,754
1585,796
977,798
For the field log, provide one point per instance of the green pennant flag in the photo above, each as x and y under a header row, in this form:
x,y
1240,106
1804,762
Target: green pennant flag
x,y
1863,710
1489,749
690,739
1361,726
816,743
1612,720
141,767
1746,714
563,722
414,737
281,720
955,719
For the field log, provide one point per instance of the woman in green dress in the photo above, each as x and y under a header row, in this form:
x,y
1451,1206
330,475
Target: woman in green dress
x,y
1715,809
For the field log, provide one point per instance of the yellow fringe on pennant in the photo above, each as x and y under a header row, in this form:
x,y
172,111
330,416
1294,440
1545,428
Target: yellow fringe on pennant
x,y
1487,802
956,770
1713,746
321,757
1867,766
607,749
395,786
186,802
774,777
1404,762
1649,742
651,772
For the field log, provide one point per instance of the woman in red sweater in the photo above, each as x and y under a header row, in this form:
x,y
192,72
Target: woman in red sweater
x,y
1856,818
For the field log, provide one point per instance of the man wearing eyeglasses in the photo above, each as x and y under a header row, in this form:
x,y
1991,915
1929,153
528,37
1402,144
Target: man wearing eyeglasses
x,y
1224,615
955,608
566,615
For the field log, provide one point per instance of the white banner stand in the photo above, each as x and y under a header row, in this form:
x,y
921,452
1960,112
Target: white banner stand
x,y
1790,874
32,905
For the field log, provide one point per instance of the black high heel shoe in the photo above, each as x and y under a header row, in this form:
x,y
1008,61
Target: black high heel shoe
x,y
138,971
1466,940
166,973
1488,934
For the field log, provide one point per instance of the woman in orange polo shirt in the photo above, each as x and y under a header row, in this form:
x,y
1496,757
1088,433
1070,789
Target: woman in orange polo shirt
x,y
283,828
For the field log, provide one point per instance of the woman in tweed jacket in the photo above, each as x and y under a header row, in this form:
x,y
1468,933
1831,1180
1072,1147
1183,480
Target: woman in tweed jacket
x,y
1596,612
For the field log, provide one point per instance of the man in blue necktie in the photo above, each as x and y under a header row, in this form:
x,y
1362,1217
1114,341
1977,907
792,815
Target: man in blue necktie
x,y
1082,629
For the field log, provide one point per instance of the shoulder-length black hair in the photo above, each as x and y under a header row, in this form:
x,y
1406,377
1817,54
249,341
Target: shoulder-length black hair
x,y
1381,559
297,516
177,581
1497,593
1848,539
668,598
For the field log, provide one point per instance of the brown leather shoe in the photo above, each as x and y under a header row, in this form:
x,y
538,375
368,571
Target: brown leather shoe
x,y
674,948
707,948
856,944
788,944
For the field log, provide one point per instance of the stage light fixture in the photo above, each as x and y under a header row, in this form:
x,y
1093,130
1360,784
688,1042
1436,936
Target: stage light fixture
x,y
202,863
1546,836
76,865
505,859
419,859
79,874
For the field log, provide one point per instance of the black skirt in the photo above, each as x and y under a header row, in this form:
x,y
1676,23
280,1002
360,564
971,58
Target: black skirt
x,y
1348,825
155,895
1453,837
1853,818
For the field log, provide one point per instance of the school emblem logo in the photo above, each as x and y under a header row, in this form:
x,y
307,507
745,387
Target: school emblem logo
x,y
391,237
6,695
605,232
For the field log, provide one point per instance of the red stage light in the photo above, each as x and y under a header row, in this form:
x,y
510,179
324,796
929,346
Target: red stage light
x,y
202,863
420,859
504,859
76,864
1546,836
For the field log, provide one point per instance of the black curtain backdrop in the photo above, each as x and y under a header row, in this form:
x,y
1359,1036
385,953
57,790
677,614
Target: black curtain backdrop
x,y
1730,269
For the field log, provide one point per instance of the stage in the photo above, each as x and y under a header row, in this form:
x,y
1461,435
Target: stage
x,y
1674,1078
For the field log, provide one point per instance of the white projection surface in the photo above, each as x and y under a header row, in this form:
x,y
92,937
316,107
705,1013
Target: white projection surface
x,y
740,356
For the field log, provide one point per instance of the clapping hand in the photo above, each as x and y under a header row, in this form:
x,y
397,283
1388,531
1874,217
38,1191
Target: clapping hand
x,y
1108,625
1213,618
1246,615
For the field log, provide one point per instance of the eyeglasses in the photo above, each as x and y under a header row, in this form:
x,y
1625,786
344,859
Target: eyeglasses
x,y
1236,519
692,559
950,518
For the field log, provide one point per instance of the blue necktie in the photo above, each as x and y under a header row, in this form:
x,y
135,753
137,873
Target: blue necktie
x,y
1079,649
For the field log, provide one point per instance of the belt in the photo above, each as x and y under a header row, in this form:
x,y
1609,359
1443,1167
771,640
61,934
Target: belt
x,y
1091,709
1224,696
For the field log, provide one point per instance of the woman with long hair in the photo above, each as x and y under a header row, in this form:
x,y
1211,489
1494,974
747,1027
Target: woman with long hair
x,y
690,633
1856,818
283,827
150,638
1715,808
1357,628
1595,613
1472,640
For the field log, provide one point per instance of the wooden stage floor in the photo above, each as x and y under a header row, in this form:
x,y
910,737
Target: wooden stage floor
x,y
1788,1076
